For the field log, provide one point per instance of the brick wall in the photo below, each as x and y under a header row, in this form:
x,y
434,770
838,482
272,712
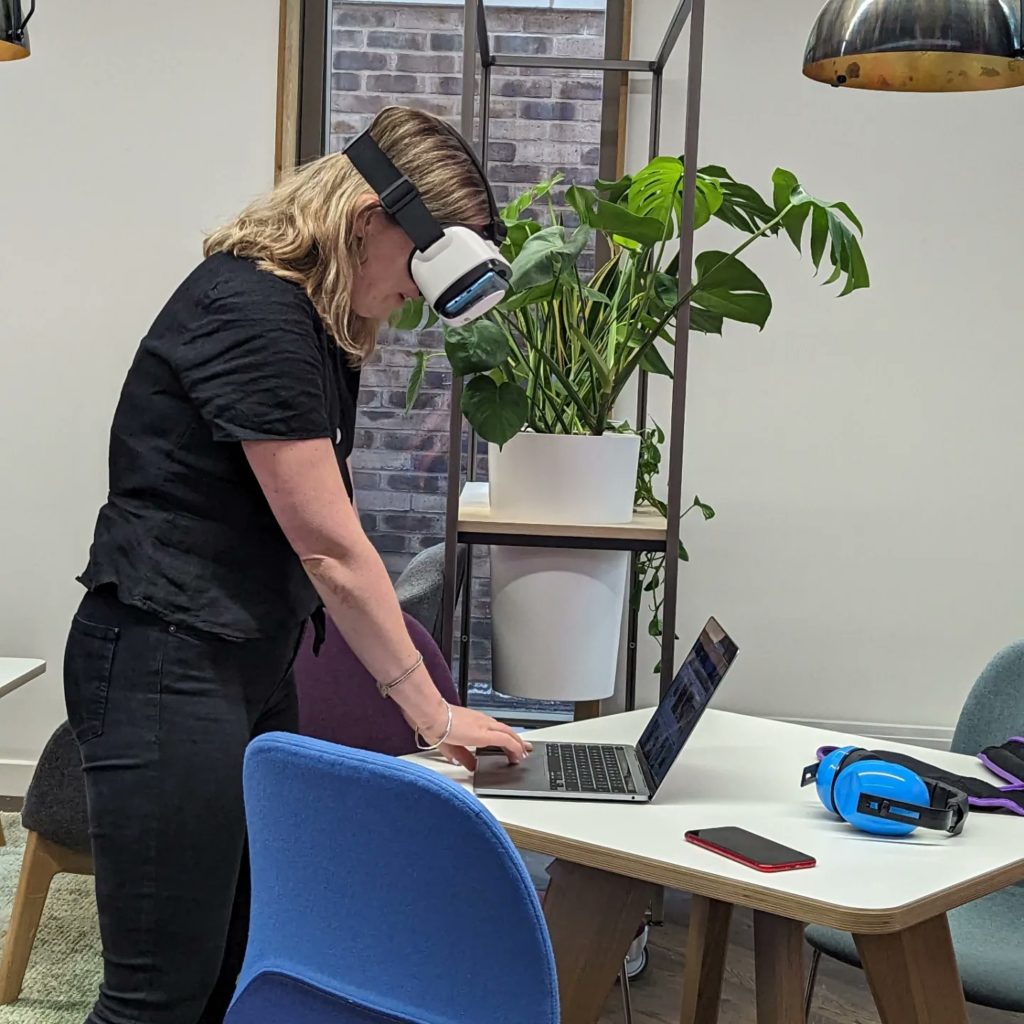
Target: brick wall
x,y
541,122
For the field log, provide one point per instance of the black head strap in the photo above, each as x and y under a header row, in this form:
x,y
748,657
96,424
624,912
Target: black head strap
x,y
946,810
398,195
496,230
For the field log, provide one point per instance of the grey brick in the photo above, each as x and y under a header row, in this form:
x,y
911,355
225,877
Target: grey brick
x,y
374,501
425,400
361,480
530,45
442,41
376,15
355,103
580,89
430,462
429,502
575,132
578,46
449,86
395,562
561,23
427,63
421,483
430,17
348,39
396,40
391,541
512,173
346,81
501,152
417,522
372,458
538,88
359,60
519,130
591,156
544,110
346,126
401,84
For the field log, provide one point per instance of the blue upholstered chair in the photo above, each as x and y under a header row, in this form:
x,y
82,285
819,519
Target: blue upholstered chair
x,y
987,933
383,894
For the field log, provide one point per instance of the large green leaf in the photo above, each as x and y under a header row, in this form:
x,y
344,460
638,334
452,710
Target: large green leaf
x,y
613,219
408,316
657,192
728,286
742,205
412,391
514,210
541,293
518,233
497,411
828,230
476,348
615,190
545,254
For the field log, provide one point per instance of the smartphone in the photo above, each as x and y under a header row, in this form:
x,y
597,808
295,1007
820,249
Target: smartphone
x,y
747,848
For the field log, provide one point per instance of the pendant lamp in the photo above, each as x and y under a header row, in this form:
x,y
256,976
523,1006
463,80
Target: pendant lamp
x,y
917,45
13,37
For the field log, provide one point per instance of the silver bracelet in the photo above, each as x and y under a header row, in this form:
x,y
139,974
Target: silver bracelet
x,y
443,739
386,688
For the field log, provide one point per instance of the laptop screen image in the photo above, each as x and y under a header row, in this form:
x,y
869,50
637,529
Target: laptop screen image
x,y
685,700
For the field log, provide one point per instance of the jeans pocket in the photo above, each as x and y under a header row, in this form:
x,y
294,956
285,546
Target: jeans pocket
x,y
88,664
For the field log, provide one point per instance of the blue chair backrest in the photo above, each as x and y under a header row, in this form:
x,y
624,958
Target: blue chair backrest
x,y
994,709
382,893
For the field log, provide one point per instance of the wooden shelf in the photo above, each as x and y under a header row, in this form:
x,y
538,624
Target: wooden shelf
x,y
646,531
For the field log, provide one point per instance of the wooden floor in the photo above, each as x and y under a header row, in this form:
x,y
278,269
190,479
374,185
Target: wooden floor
x,y
842,993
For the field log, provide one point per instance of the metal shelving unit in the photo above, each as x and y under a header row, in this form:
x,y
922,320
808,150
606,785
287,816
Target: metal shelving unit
x,y
468,520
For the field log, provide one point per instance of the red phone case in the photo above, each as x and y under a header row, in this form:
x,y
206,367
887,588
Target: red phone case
x,y
795,865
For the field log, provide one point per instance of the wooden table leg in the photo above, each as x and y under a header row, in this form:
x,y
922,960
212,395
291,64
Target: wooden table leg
x,y
778,969
913,974
592,917
706,946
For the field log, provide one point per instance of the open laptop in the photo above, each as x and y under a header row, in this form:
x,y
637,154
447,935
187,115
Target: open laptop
x,y
610,771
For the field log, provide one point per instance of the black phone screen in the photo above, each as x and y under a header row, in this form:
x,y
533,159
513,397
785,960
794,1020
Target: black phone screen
x,y
747,846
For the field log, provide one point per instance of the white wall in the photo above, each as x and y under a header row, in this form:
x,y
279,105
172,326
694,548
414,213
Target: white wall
x,y
125,137
864,453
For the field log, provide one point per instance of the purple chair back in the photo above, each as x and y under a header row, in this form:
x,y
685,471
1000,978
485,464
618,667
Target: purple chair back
x,y
339,701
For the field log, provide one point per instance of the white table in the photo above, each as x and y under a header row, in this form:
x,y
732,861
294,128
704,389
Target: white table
x,y
15,672
739,770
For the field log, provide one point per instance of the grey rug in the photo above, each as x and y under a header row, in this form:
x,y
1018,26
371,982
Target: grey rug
x,y
65,969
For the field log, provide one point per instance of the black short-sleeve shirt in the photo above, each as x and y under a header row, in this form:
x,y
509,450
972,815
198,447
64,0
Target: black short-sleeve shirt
x,y
186,533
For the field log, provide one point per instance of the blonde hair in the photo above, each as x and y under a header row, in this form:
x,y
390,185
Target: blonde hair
x,y
304,230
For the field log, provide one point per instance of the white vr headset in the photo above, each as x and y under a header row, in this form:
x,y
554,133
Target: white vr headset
x,y
460,273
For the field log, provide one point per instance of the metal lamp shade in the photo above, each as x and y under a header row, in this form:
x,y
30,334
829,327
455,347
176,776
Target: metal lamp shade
x,y
917,45
13,37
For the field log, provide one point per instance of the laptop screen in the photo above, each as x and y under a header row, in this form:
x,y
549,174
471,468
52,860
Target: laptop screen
x,y
685,700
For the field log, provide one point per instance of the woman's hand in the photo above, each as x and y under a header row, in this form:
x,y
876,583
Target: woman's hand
x,y
474,729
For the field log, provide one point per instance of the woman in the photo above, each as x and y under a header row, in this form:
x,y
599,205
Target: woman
x,y
229,520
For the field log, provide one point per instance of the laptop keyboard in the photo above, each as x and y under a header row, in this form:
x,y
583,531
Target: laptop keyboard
x,y
581,768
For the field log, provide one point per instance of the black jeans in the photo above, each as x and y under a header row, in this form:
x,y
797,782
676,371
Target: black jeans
x,y
163,715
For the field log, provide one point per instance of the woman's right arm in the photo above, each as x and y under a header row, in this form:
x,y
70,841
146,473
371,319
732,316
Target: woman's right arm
x,y
304,488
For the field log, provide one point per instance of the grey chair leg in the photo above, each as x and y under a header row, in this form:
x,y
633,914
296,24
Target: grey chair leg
x,y
627,1002
812,977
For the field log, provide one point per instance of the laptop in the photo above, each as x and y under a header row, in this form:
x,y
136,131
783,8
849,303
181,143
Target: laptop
x,y
611,771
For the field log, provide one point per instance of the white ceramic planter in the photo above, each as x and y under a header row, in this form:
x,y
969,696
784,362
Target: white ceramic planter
x,y
557,613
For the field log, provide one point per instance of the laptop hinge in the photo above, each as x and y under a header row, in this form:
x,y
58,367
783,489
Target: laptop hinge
x,y
648,777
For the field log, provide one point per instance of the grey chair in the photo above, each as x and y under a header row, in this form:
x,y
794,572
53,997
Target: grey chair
x,y
987,933
55,814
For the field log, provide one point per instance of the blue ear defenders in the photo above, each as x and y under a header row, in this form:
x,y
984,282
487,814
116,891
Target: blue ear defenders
x,y
883,797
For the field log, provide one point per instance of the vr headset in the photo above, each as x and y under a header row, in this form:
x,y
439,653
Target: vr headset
x,y
460,273
891,794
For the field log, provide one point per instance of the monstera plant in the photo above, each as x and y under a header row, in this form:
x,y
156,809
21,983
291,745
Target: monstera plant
x,y
555,356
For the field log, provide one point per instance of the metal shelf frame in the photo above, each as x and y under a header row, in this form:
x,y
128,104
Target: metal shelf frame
x,y
476,46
